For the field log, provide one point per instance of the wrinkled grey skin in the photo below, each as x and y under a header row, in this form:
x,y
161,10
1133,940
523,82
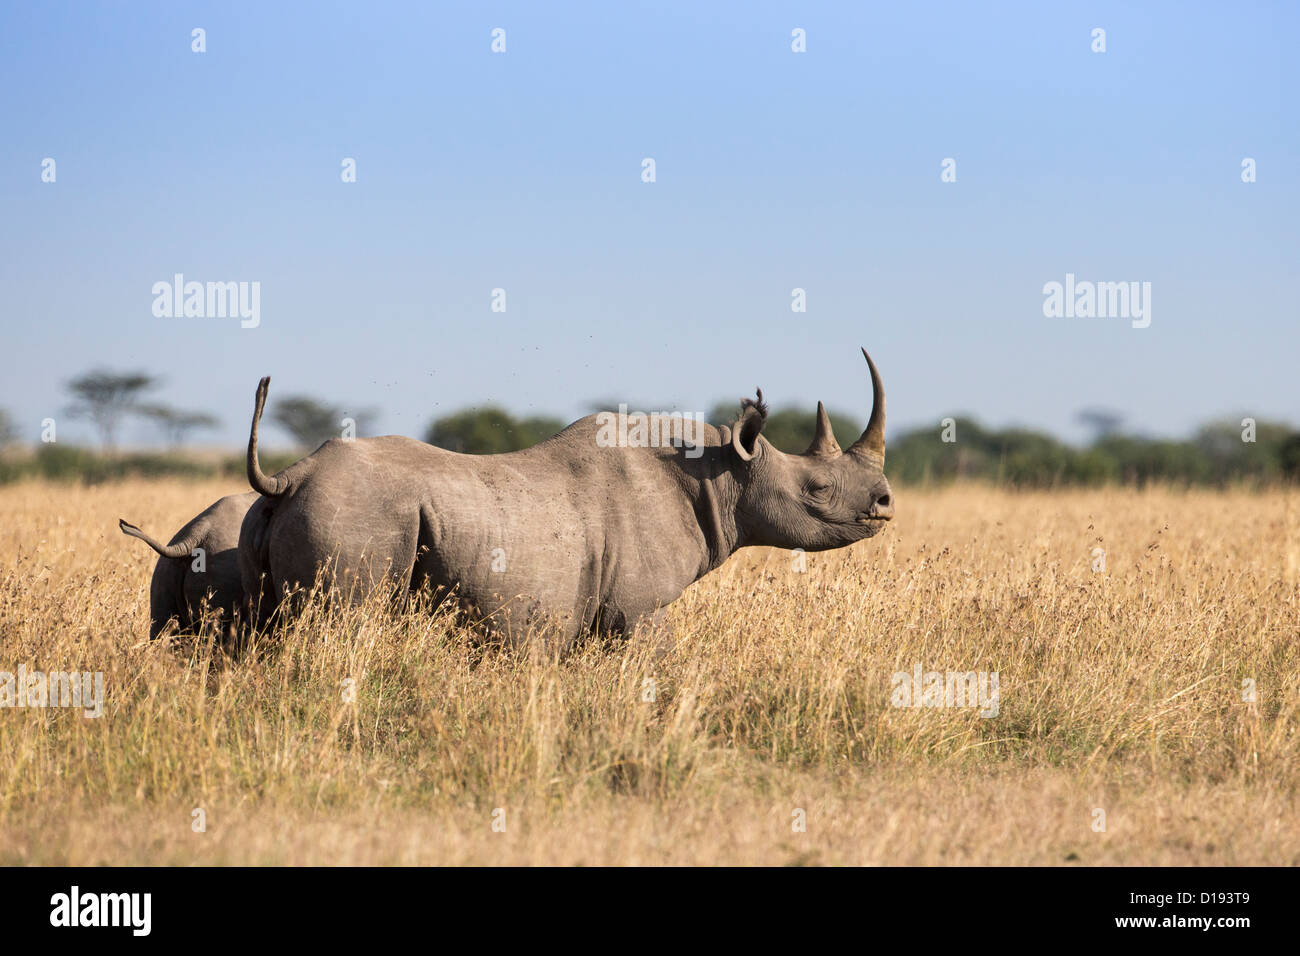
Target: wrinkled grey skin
x,y
584,537
177,590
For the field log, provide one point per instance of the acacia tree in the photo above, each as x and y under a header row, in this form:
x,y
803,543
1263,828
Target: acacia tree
x,y
177,423
106,398
490,430
8,431
311,421
1102,421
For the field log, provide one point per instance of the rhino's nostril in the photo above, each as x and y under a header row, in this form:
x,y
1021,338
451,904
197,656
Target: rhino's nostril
x,y
883,501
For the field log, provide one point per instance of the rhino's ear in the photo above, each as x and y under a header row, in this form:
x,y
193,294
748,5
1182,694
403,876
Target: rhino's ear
x,y
744,434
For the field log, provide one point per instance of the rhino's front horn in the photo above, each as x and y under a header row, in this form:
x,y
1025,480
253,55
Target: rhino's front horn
x,y
872,442
823,444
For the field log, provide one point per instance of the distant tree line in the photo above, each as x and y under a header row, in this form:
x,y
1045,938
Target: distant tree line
x,y
965,449
106,399
958,448
1215,455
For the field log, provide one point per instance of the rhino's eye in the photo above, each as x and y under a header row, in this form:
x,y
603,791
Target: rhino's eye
x,y
817,488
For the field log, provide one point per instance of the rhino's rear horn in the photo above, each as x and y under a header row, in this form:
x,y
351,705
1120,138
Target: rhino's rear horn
x,y
823,444
872,443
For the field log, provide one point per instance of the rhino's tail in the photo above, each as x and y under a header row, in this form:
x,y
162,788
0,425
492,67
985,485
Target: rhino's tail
x,y
271,487
179,550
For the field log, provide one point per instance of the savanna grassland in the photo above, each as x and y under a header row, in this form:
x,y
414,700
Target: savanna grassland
x,y
1120,690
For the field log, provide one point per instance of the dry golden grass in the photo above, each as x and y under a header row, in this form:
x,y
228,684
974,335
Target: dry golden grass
x,y
1119,690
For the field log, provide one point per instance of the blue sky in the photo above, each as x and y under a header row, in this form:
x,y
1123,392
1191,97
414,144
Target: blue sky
x,y
775,170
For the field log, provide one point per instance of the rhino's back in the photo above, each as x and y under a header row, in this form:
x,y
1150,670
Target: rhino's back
x,y
216,527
